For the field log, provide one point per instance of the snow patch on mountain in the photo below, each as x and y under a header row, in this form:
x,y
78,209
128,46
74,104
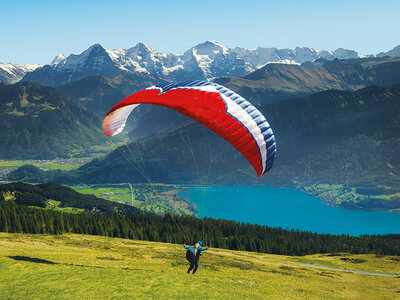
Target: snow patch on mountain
x,y
282,61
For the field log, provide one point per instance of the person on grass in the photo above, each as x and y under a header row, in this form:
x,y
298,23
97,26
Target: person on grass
x,y
193,255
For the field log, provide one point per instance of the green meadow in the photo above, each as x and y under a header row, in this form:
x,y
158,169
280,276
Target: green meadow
x,y
74,266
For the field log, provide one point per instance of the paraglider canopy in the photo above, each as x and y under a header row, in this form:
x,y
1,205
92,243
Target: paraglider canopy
x,y
216,107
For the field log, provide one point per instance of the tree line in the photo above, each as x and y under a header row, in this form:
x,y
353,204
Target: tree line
x,y
187,229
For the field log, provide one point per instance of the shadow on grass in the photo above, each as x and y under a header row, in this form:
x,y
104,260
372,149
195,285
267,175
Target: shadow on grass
x,y
33,260
48,262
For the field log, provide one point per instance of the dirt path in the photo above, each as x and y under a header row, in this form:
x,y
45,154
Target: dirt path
x,y
347,270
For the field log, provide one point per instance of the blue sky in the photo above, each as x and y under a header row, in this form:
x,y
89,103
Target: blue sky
x,y
36,31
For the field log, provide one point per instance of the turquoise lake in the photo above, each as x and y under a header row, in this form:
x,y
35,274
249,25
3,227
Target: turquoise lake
x,y
289,209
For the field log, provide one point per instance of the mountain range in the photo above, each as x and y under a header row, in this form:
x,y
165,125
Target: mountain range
x,y
205,61
270,84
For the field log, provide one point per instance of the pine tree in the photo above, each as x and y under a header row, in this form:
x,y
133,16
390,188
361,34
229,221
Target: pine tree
x,y
3,220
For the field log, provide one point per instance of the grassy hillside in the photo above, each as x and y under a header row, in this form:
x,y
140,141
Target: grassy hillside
x,y
91,267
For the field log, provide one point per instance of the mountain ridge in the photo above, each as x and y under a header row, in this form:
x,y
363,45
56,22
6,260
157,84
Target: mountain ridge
x,y
275,82
204,61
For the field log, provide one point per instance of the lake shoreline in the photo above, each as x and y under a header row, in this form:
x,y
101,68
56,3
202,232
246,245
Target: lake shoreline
x,y
323,195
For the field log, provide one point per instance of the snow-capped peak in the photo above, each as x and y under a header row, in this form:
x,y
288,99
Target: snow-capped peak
x,y
145,47
60,57
141,49
210,48
97,50
96,46
341,53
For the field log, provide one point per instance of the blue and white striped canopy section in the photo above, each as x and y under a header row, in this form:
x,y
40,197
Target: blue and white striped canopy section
x,y
216,107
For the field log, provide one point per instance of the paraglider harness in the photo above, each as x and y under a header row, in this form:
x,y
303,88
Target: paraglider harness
x,y
193,258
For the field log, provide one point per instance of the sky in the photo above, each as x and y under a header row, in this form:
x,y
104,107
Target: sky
x,y
36,31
